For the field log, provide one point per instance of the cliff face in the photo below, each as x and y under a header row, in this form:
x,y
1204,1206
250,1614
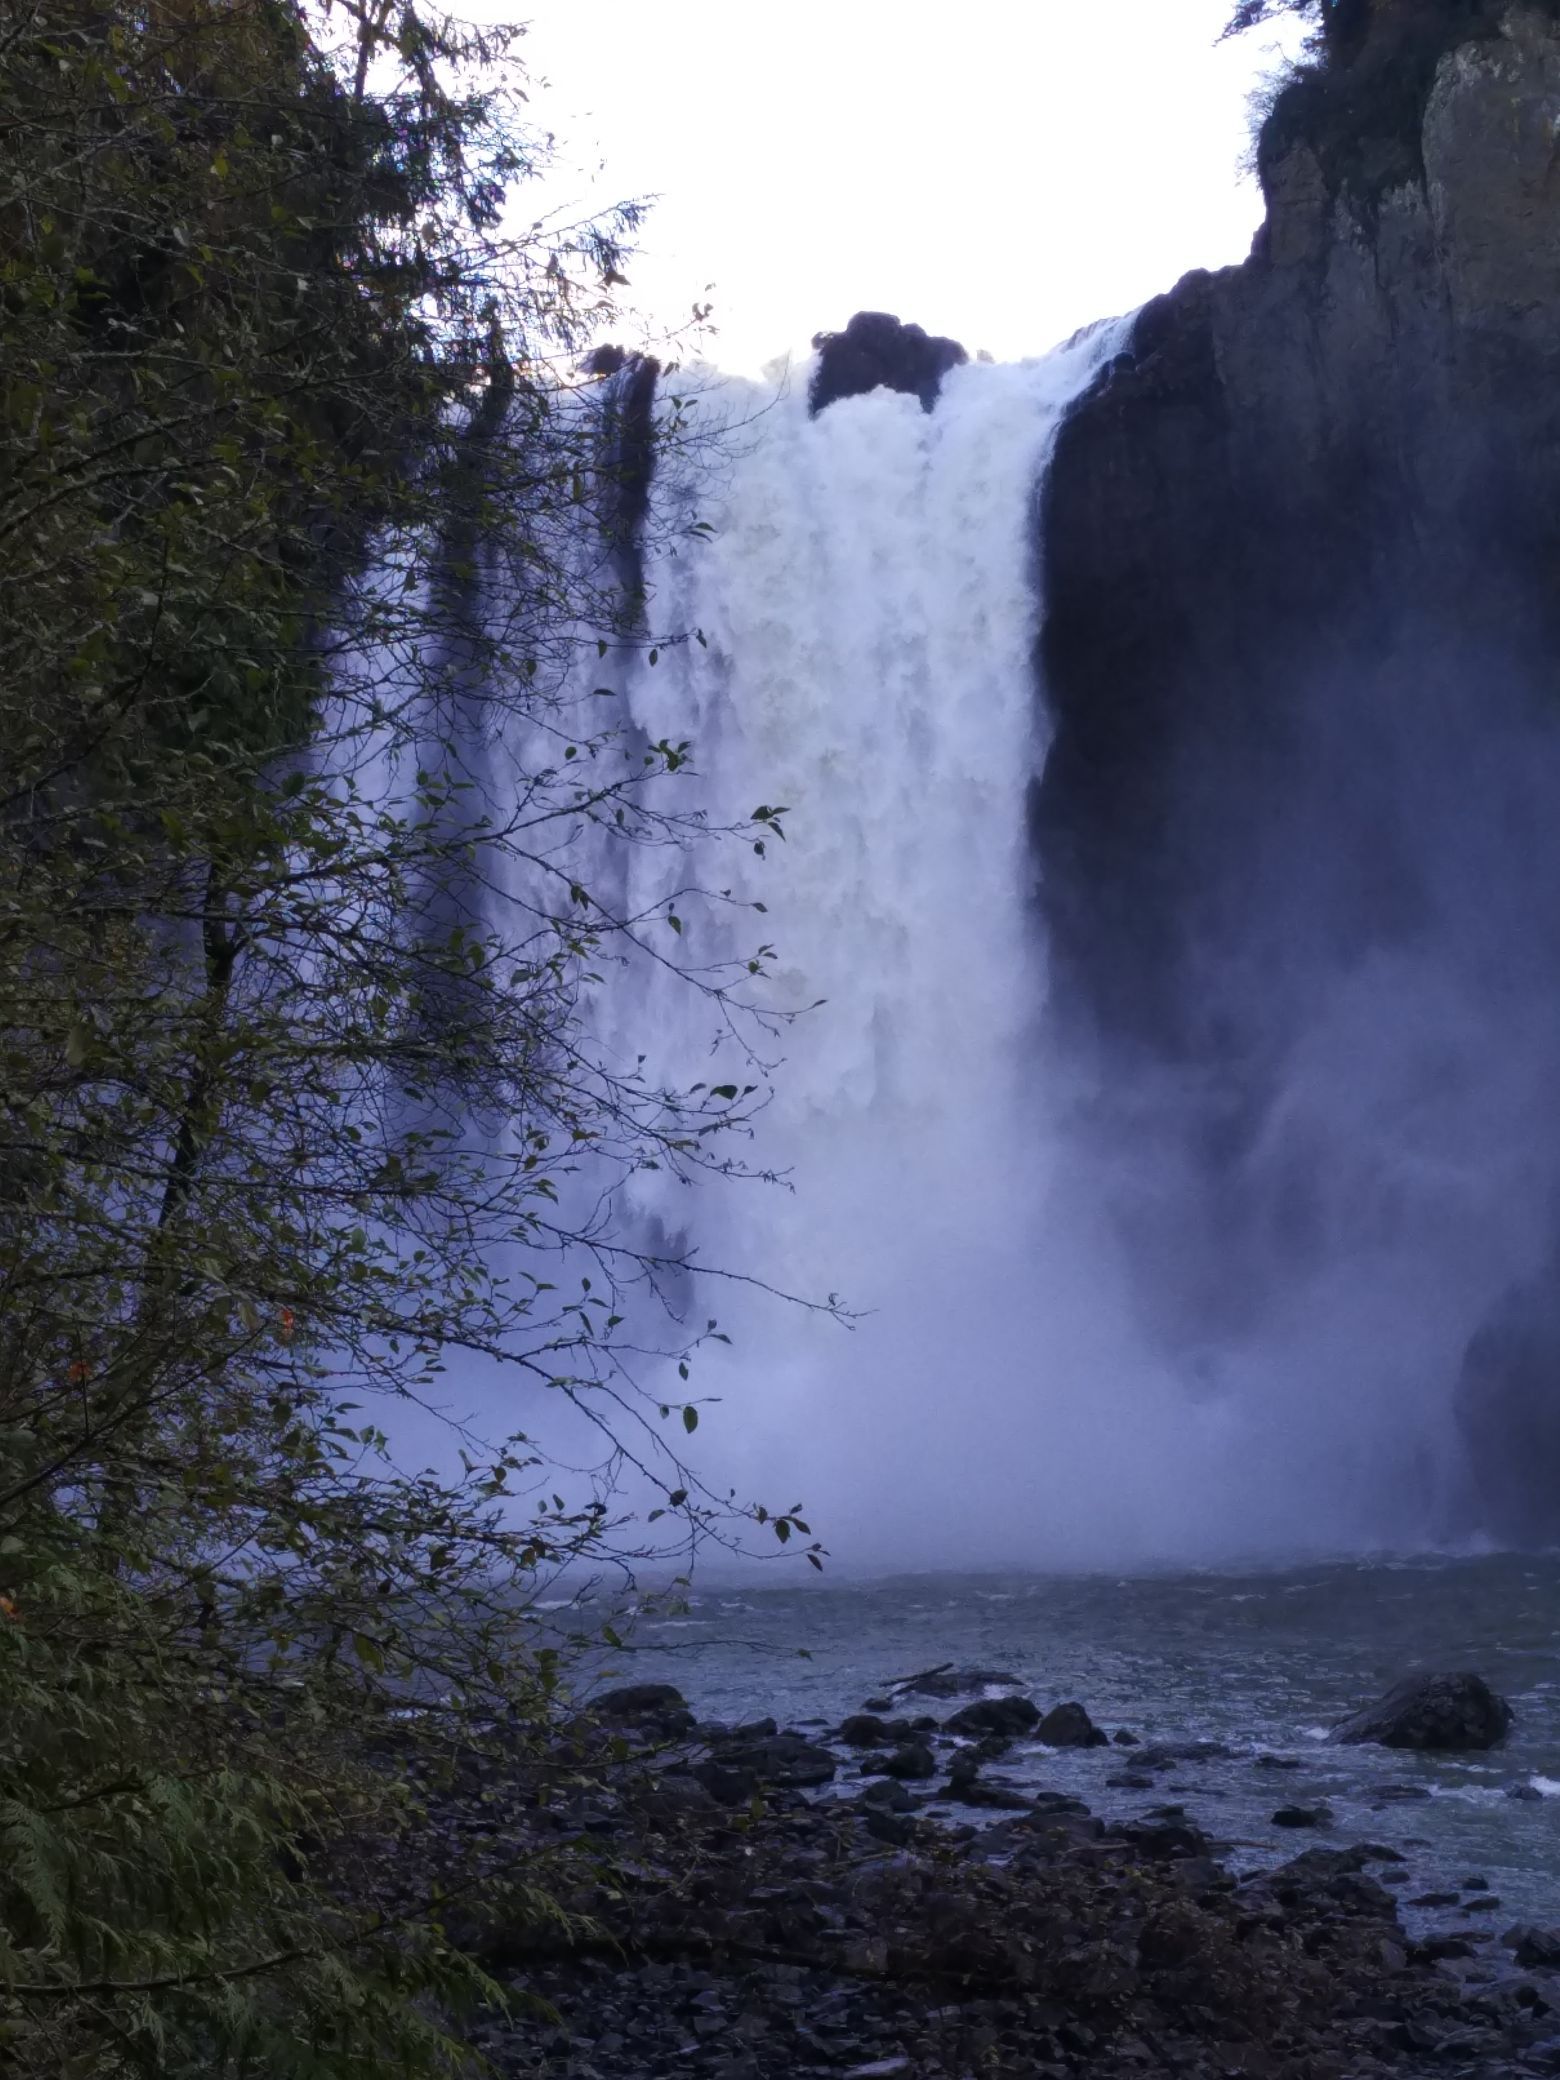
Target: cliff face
x,y
1341,459
1302,565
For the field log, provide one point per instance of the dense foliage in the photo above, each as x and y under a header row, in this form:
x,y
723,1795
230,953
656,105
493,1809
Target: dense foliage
x,y
298,1096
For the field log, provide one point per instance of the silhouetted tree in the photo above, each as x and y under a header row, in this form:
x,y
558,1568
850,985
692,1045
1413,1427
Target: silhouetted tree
x,y
1340,24
287,1114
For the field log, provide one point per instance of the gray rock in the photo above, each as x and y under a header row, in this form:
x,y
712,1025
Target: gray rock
x,y
953,1682
786,1759
1058,1802
1439,1949
966,1784
994,1796
865,1730
1329,1880
1006,1717
671,1797
1534,1948
1443,1713
1069,1726
888,1795
897,1830
1303,1816
727,1783
911,1759
649,1711
1160,1841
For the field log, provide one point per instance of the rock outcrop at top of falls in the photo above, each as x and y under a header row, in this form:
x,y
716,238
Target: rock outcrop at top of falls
x,y
1302,562
877,352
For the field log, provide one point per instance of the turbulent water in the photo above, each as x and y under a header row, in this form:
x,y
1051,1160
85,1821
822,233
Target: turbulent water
x,y
1261,1662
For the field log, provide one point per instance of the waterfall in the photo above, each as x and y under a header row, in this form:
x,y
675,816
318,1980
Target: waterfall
x,y
866,613
841,620
859,631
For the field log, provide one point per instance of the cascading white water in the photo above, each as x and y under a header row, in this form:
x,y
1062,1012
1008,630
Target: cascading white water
x,y
867,612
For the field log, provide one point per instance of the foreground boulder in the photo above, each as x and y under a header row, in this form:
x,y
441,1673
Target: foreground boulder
x,y
1437,1714
1303,1816
1006,1717
909,1759
639,1701
866,1730
784,1758
1534,1948
789,1761
1069,1726
655,1711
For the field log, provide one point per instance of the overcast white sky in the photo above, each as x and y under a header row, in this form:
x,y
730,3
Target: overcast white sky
x,y
1004,170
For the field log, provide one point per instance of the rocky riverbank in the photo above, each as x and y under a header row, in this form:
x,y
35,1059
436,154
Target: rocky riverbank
x,y
877,1900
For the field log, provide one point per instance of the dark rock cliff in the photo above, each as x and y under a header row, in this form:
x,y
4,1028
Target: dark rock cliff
x,y
1302,566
